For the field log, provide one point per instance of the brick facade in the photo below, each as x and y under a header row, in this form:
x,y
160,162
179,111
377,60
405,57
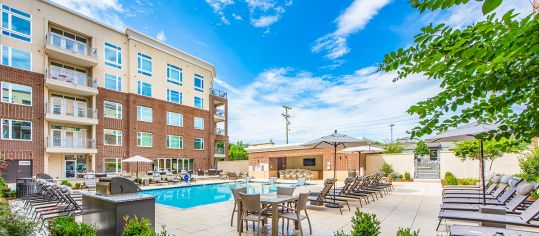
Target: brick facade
x,y
25,150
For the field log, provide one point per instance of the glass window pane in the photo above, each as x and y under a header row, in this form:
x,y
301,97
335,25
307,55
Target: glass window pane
x,y
110,55
20,25
5,129
20,59
21,94
5,20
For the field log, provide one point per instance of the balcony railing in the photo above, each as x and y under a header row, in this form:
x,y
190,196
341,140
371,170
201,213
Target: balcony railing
x,y
219,131
219,112
58,142
218,93
79,112
71,77
219,150
71,45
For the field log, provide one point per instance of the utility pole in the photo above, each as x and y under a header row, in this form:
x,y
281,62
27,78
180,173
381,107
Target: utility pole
x,y
391,127
286,118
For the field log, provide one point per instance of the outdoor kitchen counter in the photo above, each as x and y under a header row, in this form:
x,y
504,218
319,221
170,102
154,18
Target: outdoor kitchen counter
x,y
117,198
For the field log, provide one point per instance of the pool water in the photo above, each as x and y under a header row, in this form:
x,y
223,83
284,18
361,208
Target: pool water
x,y
198,195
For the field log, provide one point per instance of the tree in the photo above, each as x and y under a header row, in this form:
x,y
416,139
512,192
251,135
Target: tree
x,y
529,164
236,151
489,71
492,149
421,149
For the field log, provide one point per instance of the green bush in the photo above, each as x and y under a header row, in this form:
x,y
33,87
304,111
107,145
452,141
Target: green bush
x,y
12,223
138,180
66,183
363,224
467,181
407,176
67,226
136,227
386,169
77,186
393,148
450,179
529,164
5,191
397,176
407,232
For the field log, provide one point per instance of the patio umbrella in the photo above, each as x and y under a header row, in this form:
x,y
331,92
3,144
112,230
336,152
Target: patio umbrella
x,y
137,159
362,149
335,140
468,132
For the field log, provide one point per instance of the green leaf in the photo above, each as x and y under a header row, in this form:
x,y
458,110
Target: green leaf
x,y
490,5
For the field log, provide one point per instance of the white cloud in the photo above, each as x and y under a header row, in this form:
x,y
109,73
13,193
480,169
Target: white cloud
x,y
360,104
218,7
106,11
352,20
262,13
264,21
161,36
237,17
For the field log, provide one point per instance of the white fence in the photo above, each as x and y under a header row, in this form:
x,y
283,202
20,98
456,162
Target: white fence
x,y
233,166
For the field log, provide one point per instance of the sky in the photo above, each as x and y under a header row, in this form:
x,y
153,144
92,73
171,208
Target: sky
x,y
319,57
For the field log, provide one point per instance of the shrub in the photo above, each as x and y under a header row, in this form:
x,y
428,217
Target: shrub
x,y
450,179
66,183
77,186
421,149
467,181
529,164
138,180
66,226
407,176
386,169
363,224
393,148
407,232
397,176
12,223
135,227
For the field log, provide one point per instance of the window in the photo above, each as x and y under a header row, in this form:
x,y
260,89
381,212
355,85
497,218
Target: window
x,y
144,139
199,83
113,82
174,119
113,137
199,123
113,165
144,114
16,58
199,144
174,74
113,110
16,94
16,129
16,23
174,96
113,55
199,103
144,89
174,141
144,63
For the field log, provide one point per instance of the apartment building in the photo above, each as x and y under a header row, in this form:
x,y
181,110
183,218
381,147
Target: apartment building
x,y
79,96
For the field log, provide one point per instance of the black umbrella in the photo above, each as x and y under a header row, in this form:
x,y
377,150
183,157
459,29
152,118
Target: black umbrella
x,y
335,140
468,132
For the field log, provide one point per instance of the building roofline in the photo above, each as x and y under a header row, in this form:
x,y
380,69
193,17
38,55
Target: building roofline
x,y
275,148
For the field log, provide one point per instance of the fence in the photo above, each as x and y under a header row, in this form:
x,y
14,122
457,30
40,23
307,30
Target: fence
x,y
233,166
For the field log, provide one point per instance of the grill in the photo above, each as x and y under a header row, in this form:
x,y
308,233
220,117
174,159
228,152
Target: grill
x,y
116,185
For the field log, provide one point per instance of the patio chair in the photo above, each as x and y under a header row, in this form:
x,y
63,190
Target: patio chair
x,y
294,174
212,172
232,175
468,230
344,192
287,174
488,177
200,172
271,181
504,182
285,191
236,195
323,197
309,174
174,179
294,214
188,178
498,201
520,220
157,179
253,210
281,174
363,187
90,182
494,183
301,182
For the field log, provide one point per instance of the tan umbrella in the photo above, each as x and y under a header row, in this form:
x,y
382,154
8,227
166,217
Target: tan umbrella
x,y
361,149
137,159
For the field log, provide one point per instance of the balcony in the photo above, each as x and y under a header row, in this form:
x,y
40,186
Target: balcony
x,y
70,145
219,152
70,81
220,131
70,115
218,93
66,49
219,115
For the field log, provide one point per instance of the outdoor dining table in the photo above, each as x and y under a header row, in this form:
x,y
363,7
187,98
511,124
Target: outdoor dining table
x,y
268,199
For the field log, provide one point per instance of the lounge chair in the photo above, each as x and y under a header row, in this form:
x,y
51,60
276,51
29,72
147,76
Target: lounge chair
x,y
173,179
294,214
504,182
236,195
488,177
157,179
361,187
521,220
188,178
468,230
493,184
252,209
501,200
323,197
344,192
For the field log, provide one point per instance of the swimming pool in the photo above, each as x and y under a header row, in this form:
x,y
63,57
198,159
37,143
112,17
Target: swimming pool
x,y
198,195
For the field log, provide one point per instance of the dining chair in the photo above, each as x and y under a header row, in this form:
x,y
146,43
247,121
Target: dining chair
x,y
295,215
253,210
236,194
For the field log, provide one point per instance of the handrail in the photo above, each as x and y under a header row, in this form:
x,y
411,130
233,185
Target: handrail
x,y
219,112
58,142
71,77
61,109
218,93
71,45
219,131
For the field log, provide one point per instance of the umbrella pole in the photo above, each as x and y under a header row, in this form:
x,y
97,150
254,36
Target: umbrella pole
x,y
335,172
483,172
137,170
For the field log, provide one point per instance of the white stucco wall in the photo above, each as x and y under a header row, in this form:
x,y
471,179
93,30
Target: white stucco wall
x,y
233,166
401,162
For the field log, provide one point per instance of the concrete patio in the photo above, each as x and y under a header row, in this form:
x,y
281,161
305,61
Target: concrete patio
x,y
412,204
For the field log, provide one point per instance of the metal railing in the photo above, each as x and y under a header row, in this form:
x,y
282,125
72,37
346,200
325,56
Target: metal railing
x,y
219,150
219,112
79,112
219,131
71,77
71,45
59,142
218,93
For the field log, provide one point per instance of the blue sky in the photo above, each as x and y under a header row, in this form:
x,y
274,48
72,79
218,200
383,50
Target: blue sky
x,y
317,56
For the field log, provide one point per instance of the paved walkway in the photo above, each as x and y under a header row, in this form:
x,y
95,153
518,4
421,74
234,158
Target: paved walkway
x,y
414,205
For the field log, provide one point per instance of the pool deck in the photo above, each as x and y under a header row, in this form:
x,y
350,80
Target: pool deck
x,y
412,204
